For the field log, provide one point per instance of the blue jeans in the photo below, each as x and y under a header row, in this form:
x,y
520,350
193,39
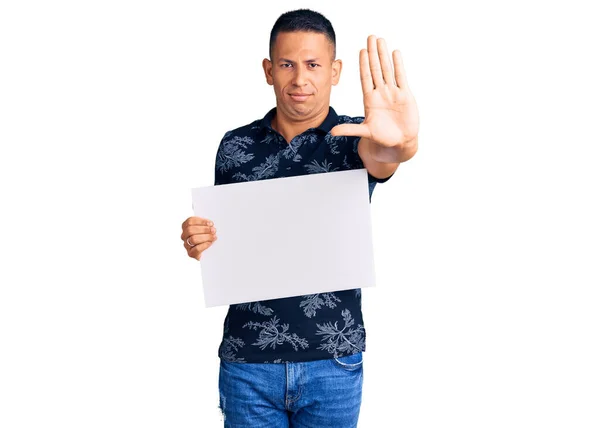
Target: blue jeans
x,y
312,394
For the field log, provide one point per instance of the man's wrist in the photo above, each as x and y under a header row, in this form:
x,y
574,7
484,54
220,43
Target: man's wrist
x,y
394,154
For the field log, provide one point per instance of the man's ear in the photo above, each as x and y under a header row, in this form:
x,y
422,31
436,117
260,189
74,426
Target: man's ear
x,y
336,71
268,68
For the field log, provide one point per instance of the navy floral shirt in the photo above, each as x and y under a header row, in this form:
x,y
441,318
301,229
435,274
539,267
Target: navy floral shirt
x,y
303,328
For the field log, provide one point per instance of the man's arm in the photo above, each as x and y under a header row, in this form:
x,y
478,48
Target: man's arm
x,y
389,131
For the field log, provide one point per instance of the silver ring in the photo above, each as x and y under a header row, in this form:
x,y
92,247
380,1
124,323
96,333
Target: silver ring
x,y
188,241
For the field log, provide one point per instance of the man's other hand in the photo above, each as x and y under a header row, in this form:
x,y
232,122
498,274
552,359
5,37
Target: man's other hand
x,y
197,235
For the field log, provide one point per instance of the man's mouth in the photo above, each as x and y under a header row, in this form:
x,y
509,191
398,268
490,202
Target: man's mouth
x,y
299,97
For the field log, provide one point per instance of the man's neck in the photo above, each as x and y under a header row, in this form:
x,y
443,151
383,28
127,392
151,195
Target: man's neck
x,y
290,129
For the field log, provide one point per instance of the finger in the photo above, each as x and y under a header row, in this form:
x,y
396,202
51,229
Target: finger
x,y
352,130
195,230
401,81
384,60
196,221
366,80
196,252
374,63
193,240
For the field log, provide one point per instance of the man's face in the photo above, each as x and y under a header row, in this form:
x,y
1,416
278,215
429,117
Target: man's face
x,y
302,72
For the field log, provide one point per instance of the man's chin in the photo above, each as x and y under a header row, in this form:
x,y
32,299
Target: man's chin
x,y
301,110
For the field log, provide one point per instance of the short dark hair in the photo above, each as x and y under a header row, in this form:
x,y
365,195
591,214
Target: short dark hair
x,y
302,20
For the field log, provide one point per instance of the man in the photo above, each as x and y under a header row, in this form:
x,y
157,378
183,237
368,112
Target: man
x,y
298,361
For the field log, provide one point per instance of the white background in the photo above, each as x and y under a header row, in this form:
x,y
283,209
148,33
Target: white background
x,y
486,243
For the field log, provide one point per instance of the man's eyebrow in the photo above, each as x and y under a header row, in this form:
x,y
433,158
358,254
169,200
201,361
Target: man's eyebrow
x,y
294,62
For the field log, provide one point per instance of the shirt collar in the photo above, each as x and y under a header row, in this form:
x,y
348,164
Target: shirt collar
x,y
330,121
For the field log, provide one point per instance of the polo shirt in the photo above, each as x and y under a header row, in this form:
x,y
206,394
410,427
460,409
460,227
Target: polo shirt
x,y
303,328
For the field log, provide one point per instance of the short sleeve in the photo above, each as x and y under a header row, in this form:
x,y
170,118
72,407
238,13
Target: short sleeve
x,y
379,180
220,171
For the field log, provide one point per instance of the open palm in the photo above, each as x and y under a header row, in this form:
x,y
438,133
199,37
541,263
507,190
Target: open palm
x,y
391,115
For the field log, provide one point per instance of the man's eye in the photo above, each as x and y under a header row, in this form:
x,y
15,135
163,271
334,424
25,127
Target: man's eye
x,y
314,65
286,65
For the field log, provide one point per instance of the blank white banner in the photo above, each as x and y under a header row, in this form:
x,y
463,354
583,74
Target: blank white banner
x,y
287,237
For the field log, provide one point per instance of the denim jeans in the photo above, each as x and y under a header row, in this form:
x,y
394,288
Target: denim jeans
x,y
312,394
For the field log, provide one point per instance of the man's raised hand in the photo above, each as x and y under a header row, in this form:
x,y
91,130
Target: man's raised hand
x,y
391,115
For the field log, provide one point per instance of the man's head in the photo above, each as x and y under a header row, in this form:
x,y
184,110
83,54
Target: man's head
x,y
302,66
302,20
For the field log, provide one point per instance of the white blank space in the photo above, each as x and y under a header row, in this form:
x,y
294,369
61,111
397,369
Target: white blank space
x,y
287,237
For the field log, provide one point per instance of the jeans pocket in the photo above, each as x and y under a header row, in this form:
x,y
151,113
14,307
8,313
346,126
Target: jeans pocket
x,y
350,362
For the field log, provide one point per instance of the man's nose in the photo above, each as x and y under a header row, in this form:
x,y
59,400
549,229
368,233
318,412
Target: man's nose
x,y
299,77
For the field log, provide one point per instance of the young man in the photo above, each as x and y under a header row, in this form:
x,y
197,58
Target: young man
x,y
298,361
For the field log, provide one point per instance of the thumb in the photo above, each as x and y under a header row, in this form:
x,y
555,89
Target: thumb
x,y
351,130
